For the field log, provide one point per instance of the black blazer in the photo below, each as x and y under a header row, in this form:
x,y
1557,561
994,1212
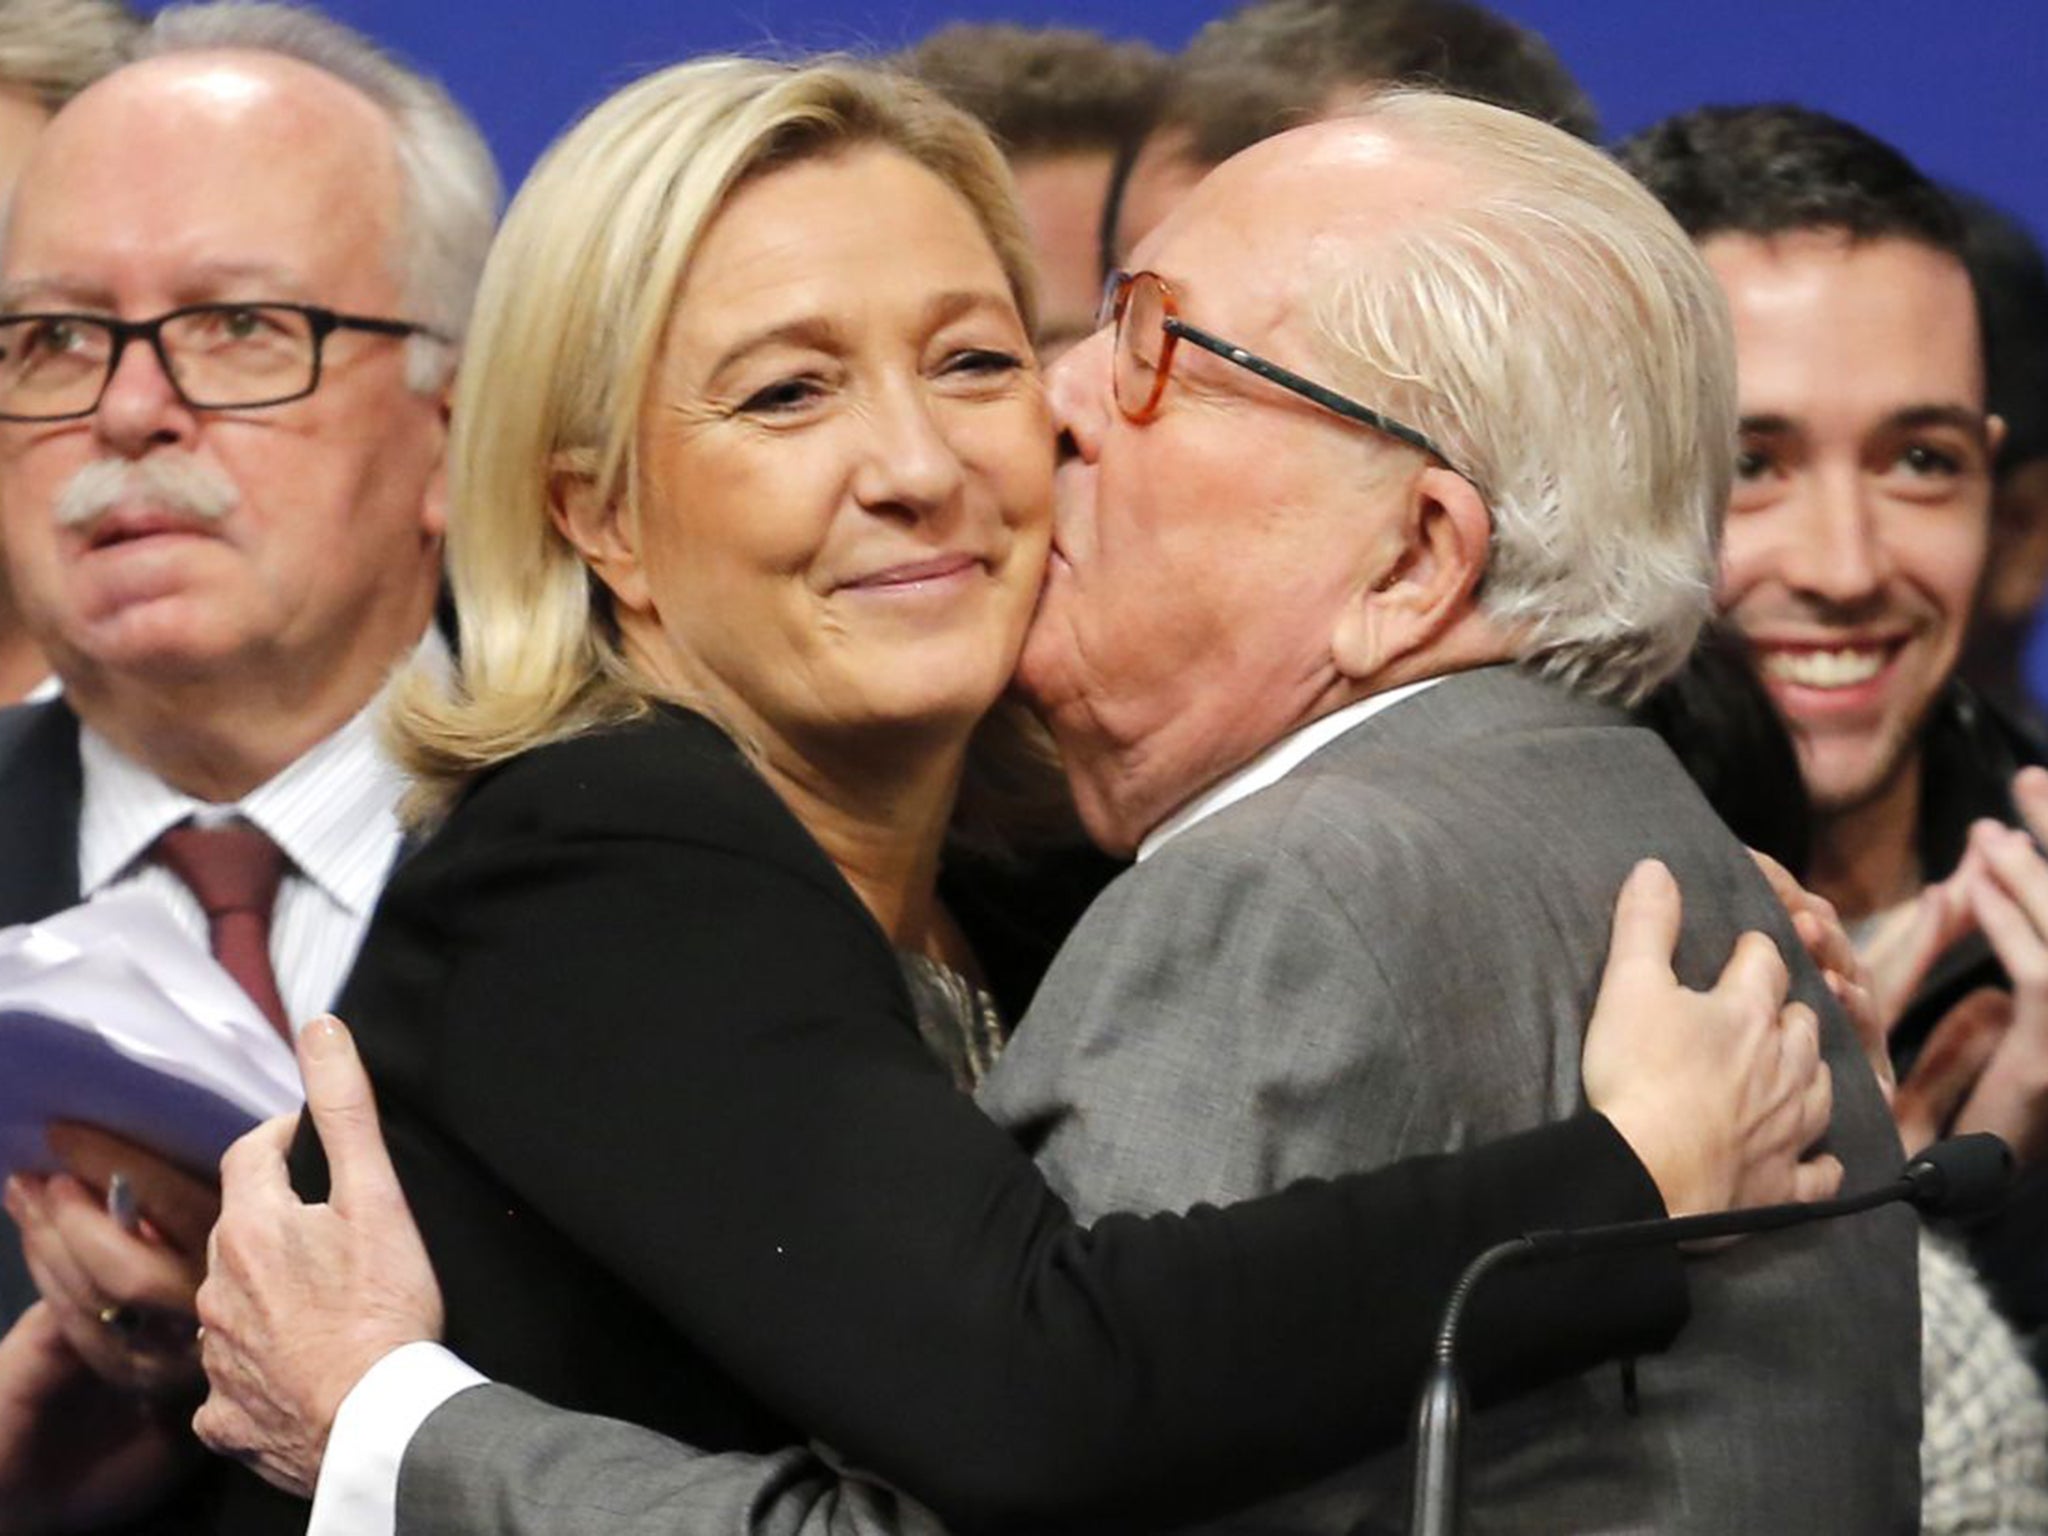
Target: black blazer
x,y
650,1077
39,792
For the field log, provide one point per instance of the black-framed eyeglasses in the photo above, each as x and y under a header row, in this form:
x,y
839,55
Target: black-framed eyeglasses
x,y
1148,328
218,357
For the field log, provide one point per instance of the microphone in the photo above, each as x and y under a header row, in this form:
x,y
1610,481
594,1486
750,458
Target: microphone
x,y
1963,1176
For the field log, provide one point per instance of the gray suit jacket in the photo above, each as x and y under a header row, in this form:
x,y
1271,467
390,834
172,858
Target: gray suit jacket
x,y
1391,952
1292,988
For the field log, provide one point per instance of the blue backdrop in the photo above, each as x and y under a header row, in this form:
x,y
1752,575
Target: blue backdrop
x,y
1961,87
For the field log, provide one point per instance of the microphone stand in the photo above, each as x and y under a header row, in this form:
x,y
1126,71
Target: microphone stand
x,y
1955,1177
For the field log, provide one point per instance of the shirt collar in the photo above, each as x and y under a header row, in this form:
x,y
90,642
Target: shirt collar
x,y
333,810
1275,763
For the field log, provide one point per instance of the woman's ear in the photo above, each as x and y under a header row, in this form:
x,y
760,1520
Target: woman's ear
x,y
1427,582
601,531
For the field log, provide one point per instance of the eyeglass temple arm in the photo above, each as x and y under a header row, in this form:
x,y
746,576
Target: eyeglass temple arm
x,y
1308,389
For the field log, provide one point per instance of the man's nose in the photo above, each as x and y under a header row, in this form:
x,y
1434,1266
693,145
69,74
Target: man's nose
x,y
1082,393
140,406
1839,552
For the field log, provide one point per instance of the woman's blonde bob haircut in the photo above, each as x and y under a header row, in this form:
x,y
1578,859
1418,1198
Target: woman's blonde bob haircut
x,y
575,300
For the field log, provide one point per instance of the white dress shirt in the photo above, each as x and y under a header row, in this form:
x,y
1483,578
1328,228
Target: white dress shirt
x,y
357,1494
1275,763
334,812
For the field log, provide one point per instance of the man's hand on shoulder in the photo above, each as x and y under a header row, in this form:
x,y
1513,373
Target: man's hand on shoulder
x,y
300,1300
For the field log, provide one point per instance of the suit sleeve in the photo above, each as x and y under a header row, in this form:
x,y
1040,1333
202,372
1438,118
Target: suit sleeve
x,y
647,1027
494,1462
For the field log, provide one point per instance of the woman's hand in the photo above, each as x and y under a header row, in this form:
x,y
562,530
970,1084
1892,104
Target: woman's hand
x,y
1720,1093
300,1300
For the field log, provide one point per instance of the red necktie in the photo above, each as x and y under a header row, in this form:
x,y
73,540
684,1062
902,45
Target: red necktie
x,y
234,870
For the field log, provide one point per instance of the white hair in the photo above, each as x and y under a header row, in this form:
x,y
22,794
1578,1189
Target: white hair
x,y
1556,334
450,182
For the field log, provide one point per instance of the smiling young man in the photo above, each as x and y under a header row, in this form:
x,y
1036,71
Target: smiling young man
x,y
1855,551
1861,516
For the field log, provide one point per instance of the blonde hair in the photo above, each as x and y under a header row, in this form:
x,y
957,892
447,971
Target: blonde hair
x,y
1558,335
575,299
53,49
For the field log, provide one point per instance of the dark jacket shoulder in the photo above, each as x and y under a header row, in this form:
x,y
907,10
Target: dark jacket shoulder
x,y
40,786
670,776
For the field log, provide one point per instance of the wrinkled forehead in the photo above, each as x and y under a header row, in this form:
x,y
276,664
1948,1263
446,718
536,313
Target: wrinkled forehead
x,y
1272,228
227,158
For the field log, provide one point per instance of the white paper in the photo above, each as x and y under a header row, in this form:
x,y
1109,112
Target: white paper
x,y
111,1015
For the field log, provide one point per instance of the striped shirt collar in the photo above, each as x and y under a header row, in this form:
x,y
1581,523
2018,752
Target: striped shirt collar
x,y
333,810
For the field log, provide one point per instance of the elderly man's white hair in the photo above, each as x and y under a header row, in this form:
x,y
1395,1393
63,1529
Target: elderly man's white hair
x,y
1556,333
53,49
451,185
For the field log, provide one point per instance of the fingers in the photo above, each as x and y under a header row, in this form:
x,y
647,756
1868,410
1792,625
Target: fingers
x,y
1813,916
1818,1178
1805,1086
1755,979
1646,919
180,1205
1816,1104
1825,939
344,1111
1873,1031
56,1271
1790,893
125,1268
1907,944
1950,1063
2010,899
252,1171
2030,795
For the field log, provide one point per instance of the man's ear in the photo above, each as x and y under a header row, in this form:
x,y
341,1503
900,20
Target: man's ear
x,y
602,532
1427,579
434,501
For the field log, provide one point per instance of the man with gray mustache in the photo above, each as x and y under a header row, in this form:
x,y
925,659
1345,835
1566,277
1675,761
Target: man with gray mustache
x,y
224,371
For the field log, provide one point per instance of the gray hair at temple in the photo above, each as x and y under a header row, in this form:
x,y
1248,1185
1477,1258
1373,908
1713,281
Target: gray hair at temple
x,y
1556,332
451,187
53,49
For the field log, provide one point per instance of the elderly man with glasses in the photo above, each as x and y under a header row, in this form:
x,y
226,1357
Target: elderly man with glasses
x,y
233,279
1345,679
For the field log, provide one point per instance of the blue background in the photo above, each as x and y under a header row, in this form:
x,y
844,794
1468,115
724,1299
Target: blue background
x,y
1962,87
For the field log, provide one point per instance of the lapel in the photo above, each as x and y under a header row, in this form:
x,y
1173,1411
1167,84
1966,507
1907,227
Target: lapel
x,y
39,795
